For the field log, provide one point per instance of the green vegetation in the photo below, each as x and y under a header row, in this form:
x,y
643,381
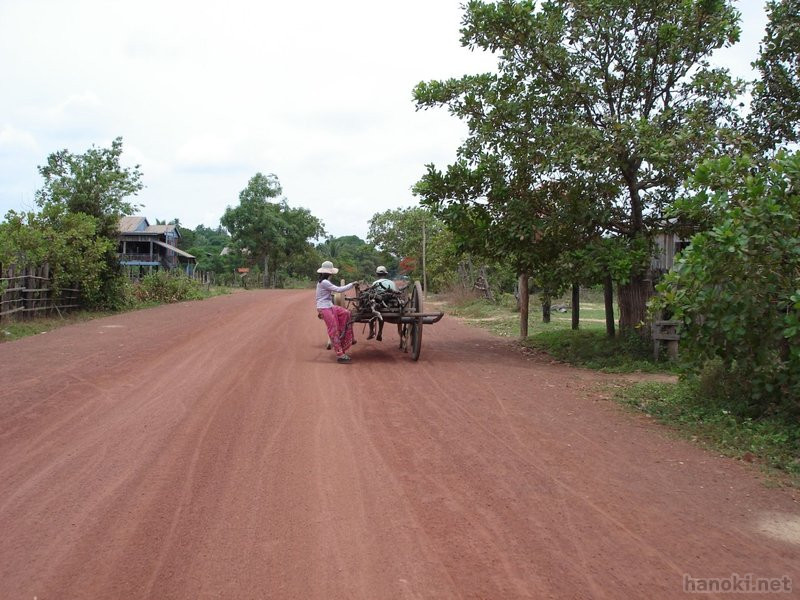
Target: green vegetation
x,y
206,245
771,439
271,235
736,289
587,347
81,201
593,349
163,287
595,115
355,258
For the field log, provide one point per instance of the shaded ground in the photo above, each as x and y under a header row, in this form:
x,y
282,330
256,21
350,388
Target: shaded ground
x,y
214,449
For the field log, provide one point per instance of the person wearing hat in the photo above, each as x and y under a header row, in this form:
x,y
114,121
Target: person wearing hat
x,y
385,284
337,318
384,281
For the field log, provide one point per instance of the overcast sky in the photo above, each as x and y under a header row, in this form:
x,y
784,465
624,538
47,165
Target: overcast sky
x,y
206,94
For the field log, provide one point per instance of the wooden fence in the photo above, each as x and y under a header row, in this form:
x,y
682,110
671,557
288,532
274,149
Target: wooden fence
x,y
28,293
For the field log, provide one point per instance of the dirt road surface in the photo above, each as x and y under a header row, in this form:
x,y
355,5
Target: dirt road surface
x,y
214,449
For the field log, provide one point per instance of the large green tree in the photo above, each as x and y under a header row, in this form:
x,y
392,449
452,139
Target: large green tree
x,y
617,93
270,231
96,185
93,183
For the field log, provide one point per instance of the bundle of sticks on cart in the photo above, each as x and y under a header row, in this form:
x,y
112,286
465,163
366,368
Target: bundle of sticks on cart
x,y
371,303
376,306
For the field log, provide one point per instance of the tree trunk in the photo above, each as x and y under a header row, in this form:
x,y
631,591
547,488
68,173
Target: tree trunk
x,y
462,275
266,271
576,306
546,310
608,295
524,298
633,297
482,284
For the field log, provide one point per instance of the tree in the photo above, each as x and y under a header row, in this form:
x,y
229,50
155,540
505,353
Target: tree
x,y
67,242
735,288
269,231
775,116
407,234
355,258
616,95
93,184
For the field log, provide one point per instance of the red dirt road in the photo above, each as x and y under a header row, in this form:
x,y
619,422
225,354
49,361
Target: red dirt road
x,y
215,450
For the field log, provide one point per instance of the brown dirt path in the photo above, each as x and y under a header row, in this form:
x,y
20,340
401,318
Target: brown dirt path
x,y
214,450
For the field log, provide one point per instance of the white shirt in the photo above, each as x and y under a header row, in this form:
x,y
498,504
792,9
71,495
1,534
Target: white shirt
x,y
386,284
325,290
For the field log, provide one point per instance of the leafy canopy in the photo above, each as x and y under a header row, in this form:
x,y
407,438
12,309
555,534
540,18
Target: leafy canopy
x,y
93,183
270,231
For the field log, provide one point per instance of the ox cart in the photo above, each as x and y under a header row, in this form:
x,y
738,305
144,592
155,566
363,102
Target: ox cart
x,y
404,308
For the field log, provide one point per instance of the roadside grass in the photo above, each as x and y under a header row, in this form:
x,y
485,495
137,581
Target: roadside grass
x,y
16,329
586,347
772,440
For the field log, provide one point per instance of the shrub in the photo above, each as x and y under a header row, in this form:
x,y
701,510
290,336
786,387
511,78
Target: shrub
x,y
166,287
736,288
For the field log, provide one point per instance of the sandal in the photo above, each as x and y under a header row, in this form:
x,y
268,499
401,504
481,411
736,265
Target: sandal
x,y
343,359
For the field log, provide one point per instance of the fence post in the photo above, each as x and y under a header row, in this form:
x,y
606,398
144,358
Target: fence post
x,y
26,292
49,299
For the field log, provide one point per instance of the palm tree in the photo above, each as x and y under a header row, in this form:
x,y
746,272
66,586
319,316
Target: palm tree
x,y
330,248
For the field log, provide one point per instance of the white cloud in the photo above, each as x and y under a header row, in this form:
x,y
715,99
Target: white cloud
x,y
17,140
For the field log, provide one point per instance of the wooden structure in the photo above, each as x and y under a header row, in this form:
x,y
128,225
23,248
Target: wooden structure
x,y
29,293
144,248
667,245
666,331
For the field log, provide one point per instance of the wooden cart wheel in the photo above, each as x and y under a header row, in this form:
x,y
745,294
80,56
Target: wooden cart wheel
x,y
417,306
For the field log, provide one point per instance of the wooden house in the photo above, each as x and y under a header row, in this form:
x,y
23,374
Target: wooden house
x,y
144,248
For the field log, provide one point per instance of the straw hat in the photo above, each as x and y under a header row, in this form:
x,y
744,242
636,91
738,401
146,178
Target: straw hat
x,y
327,267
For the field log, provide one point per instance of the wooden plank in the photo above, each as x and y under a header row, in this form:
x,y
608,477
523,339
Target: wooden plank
x,y
667,336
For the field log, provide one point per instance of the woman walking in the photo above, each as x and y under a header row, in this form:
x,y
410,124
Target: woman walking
x,y
337,319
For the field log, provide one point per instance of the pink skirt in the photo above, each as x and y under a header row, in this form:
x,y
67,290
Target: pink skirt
x,y
340,328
